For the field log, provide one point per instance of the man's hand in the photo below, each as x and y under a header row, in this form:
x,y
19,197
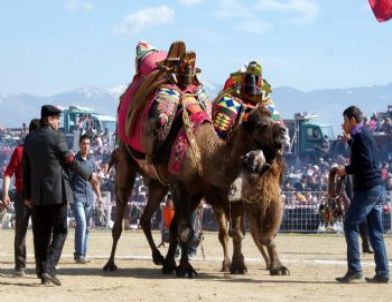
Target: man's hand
x,y
94,180
27,203
6,202
341,170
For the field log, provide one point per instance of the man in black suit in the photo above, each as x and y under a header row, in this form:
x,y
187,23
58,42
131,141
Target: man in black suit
x,y
47,163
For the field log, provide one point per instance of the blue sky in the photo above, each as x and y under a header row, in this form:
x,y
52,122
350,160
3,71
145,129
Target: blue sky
x,y
50,46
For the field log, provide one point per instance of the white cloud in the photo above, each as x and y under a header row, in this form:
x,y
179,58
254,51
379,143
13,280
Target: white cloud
x,y
233,9
143,18
78,6
305,10
253,27
189,2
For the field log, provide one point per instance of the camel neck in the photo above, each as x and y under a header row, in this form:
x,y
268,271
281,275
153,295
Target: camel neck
x,y
220,159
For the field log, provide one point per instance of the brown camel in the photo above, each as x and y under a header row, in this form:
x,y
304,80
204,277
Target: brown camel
x,y
258,188
219,165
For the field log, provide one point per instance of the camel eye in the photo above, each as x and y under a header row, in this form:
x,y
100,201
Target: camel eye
x,y
262,126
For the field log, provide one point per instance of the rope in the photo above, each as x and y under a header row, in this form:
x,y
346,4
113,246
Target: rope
x,y
189,133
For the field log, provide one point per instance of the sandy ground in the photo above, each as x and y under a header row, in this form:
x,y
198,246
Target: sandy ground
x,y
314,261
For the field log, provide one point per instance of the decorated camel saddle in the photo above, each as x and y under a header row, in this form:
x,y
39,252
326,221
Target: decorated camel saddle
x,y
162,107
243,90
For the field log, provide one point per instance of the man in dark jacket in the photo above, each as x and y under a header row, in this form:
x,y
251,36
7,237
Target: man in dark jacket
x,y
367,203
47,162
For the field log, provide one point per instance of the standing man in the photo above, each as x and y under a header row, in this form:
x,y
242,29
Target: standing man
x,y
22,212
367,203
83,199
47,162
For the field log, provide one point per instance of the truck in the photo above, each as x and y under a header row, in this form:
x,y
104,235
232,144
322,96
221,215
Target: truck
x,y
309,138
73,115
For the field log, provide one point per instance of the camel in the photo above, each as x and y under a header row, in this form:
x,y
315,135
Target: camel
x,y
258,187
216,169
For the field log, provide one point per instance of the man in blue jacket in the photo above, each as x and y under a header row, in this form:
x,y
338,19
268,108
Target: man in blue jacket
x,y
367,204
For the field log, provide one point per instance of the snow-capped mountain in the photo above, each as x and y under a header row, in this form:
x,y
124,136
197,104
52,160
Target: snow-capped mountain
x,y
328,104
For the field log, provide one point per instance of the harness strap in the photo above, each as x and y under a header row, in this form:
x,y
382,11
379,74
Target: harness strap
x,y
190,135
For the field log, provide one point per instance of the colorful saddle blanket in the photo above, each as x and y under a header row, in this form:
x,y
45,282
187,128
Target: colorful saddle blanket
x,y
145,65
229,110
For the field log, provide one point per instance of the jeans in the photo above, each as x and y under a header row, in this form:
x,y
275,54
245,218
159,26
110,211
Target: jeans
x,y
22,216
366,205
83,213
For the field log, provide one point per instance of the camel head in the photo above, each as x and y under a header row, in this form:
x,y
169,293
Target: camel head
x,y
254,165
262,133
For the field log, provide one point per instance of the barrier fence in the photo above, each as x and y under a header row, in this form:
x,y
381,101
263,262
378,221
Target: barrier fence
x,y
301,214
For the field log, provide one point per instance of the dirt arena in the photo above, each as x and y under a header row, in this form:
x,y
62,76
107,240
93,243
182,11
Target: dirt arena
x,y
314,262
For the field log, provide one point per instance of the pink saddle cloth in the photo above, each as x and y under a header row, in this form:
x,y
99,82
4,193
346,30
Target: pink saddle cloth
x,y
146,66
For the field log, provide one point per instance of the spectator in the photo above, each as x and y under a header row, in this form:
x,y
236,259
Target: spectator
x,y
22,212
83,200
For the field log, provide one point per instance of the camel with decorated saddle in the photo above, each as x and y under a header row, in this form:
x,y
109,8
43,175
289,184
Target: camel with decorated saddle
x,y
167,135
244,90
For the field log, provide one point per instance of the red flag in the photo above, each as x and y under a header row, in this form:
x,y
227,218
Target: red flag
x,y
382,9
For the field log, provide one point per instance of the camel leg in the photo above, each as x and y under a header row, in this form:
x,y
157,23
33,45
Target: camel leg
x,y
124,180
262,251
156,192
184,204
185,268
169,265
265,235
237,218
223,236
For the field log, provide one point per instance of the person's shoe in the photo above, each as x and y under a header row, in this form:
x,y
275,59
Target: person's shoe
x,y
192,255
20,272
377,279
82,260
349,276
52,278
367,250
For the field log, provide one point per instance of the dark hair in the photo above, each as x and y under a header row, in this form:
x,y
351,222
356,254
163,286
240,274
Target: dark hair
x,y
83,137
34,125
353,112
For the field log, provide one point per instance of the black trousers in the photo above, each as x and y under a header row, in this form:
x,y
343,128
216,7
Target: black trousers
x,y
22,216
50,232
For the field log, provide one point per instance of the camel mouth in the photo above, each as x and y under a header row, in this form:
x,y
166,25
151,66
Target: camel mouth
x,y
255,162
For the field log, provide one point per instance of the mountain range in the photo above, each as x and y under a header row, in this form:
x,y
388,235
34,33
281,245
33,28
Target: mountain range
x,y
328,104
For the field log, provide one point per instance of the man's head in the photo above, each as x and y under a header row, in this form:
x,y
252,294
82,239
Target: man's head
x,y
84,144
34,125
352,117
50,115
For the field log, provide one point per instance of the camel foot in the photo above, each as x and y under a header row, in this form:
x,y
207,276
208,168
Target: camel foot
x,y
186,269
238,268
279,271
110,267
225,267
158,258
168,268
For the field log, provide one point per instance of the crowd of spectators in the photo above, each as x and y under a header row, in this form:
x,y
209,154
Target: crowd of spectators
x,y
304,183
